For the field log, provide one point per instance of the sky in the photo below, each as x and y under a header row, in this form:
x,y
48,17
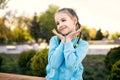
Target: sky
x,y
104,14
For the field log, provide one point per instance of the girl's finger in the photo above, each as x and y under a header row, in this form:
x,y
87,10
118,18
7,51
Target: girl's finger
x,y
79,30
54,31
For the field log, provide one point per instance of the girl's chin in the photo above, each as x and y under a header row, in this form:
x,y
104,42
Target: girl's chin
x,y
65,33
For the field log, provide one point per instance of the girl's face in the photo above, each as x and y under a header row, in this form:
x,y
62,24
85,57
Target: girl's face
x,y
65,24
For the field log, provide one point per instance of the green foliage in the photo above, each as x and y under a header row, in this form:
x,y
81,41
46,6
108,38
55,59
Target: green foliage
x,y
20,34
115,35
9,63
85,33
3,4
106,34
94,68
34,28
115,72
39,62
47,22
25,60
1,59
112,56
92,33
99,35
5,32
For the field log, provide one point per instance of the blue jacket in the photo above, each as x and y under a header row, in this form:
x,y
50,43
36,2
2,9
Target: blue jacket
x,y
65,61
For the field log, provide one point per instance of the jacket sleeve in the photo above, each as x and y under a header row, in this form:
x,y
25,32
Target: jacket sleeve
x,y
55,55
75,56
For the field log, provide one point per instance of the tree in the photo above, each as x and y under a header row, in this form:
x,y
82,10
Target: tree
x,y
115,35
99,35
85,33
47,22
34,28
20,35
92,33
3,4
106,34
18,27
5,32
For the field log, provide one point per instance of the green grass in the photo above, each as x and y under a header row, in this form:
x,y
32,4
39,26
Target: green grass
x,y
94,68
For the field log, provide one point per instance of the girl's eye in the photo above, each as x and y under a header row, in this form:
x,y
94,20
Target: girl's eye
x,y
63,20
57,23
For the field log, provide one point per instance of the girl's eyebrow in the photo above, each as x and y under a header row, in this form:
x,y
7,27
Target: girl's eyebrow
x,y
60,19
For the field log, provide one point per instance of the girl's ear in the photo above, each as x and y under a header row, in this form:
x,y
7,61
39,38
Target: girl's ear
x,y
75,20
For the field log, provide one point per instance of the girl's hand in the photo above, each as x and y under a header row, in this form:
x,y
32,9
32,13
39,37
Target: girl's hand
x,y
72,35
62,38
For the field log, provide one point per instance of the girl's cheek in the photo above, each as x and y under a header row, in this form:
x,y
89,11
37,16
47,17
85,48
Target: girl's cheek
x,y
57,28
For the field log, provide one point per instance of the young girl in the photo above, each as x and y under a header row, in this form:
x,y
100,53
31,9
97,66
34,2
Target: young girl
x,y
67,49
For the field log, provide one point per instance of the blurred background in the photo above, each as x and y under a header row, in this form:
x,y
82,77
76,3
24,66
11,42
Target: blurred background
x,y
25,31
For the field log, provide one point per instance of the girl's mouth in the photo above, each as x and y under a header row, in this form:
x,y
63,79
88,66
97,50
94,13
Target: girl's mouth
x,y
62,28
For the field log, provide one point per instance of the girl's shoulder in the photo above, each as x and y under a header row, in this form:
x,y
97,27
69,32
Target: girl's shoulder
x,y
83,42
54,39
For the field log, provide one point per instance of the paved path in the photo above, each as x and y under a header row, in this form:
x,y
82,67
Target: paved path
x,y
94,48
17,49
101,49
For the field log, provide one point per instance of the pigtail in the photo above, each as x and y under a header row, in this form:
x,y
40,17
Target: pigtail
x,y
79,36
79,25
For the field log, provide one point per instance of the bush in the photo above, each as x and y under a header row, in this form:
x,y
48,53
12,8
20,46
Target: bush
x,y
1,59
39,62
112,56
10,63
25,60
115,72
94,68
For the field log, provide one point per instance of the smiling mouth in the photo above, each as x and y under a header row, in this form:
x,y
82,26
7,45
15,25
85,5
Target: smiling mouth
x,y
62,28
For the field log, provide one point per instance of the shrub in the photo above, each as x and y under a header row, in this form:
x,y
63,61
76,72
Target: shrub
x,y
112,56
93,72
39,62
1,59
10,63
115,72
94,68
25,60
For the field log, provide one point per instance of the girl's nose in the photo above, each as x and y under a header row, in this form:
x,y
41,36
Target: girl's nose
x,y
60,25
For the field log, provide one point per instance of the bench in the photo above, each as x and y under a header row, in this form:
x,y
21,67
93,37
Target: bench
x,y
10,47
6,76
